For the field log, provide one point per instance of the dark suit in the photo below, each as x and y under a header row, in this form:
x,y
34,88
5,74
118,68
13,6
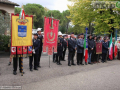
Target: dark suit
x,y
104,51
80,51
71,47
40,38
36,46
64,49
59,50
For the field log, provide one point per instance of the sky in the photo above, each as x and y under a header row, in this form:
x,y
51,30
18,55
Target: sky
x,y
60,5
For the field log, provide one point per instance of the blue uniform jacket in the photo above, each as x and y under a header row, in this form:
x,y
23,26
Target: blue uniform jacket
x,y
80,44
72,44
104,47
36,45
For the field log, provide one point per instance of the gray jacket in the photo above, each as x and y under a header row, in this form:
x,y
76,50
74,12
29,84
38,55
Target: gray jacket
x,y
80,46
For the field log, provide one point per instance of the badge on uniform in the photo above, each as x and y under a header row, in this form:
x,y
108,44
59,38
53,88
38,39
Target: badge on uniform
x,y
22,31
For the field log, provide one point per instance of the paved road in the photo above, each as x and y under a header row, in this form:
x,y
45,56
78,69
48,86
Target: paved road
x,y
91,77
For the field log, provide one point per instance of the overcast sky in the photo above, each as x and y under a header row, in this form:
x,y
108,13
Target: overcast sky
x,y
60,5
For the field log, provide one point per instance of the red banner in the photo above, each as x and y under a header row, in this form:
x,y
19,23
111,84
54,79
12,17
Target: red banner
x,y
24,49
98,48
50,35
13,50
29,49
19,50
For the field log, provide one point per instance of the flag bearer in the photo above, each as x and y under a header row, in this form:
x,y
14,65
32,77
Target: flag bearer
x,y
35,54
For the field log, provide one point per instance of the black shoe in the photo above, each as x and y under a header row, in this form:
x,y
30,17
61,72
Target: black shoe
x,y
69,65
35,69
90,63
73,64
78,64
63,60
85,63
81,64
31,70
9,63
14,72
60,64
39,66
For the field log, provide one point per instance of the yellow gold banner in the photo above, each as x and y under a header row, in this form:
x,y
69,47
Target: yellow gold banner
x,y
21,34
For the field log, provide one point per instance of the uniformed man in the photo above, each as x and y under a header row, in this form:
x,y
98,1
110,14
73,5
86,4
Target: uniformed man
x,y
80,49
64,47
40,38
36,46
15,64
59,48
72,46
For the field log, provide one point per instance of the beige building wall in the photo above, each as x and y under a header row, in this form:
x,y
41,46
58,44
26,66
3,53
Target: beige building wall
x,y
7,8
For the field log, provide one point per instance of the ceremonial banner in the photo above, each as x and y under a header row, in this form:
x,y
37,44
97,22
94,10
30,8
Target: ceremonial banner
x,y
50,35
21,32
19,50
98,48
13,50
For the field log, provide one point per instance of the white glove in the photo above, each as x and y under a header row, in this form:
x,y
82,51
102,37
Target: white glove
x,y
33,51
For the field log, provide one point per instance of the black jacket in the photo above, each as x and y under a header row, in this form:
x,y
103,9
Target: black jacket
x,y
72,44
64,43
90,45
40,38
36,45
60,46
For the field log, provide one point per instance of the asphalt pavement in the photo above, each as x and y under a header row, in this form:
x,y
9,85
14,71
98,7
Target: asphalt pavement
x,y
102,76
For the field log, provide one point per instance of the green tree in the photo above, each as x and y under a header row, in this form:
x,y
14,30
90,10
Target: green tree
x,y
82,13
34,9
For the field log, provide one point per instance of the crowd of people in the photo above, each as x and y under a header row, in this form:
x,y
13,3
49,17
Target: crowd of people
x,y
74,45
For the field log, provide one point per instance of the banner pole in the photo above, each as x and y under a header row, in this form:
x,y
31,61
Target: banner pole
x,y
22,65
49,61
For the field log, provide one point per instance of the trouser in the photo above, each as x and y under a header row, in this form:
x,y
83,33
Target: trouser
x,y
35,61
39,55
54,57
63,54
79,58
89,57
58,58
15,63
71,57
104,57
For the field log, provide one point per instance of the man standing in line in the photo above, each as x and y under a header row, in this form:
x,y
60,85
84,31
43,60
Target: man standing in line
x,y
72,48
59,48
40,38
36,45
80,49
90,48
64,47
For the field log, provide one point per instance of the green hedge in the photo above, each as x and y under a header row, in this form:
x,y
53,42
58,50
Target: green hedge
x,y
4,41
